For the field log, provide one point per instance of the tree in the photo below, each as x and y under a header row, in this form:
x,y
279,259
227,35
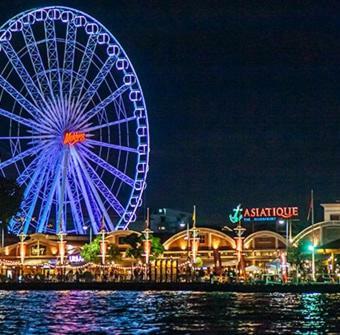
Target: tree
x,y
10,199
199,262
136,250
91,251
157,247
297,254
134,240
136,245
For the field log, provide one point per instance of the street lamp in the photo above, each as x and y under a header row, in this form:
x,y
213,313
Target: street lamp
x,y
147,241
22,237
284,257
88,227
312,249
286,222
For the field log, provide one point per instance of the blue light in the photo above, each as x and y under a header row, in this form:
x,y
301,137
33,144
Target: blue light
x,y
74,77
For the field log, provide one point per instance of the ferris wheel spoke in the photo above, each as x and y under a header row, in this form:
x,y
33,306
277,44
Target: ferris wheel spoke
x,y
105,191
61,192
112,146
71,35
30,108
94,86
32,137
31,196
74,189
22,155
62,103
36,60
44,192
26,104
108,167
30,168
26,122
94,205
47,202
52,113
39,169
84,65
23,74
109,124
80,180
76,209
52,55
85,117
92,184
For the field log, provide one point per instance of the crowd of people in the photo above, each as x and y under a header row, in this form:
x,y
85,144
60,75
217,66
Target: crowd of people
x,y
212,275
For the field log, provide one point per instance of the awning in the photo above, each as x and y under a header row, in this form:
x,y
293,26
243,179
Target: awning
x,y
253,268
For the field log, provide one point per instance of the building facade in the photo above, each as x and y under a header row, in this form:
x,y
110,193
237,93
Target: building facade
x,y
215,248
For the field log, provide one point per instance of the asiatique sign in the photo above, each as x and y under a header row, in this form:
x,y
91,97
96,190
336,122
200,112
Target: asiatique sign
x,y
263,213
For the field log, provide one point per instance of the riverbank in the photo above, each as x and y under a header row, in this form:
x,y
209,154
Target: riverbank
x,y
152,286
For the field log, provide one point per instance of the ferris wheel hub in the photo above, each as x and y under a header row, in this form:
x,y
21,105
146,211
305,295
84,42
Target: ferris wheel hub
x,y
72,138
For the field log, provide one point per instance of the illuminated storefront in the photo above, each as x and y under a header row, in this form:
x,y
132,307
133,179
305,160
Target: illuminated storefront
x,y
214,248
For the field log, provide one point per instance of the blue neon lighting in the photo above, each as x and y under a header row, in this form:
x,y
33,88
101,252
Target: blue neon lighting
x,y
62,71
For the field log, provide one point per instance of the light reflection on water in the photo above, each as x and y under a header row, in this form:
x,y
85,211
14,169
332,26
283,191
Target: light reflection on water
x,y
106,312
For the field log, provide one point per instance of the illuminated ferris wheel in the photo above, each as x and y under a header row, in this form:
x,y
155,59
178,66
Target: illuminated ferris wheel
x,y
74,128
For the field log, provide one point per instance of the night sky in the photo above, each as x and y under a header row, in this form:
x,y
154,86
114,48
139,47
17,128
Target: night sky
x,y
243,101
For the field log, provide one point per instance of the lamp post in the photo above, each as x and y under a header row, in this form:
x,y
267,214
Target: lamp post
x,y
61,244
283,256
287,223
103,243
312,249
239,230
90,231
194,238
147,242
22,237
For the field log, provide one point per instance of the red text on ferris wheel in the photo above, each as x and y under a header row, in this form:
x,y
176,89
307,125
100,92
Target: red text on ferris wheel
x,y
74,137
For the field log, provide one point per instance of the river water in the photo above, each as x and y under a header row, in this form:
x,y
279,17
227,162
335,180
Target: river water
x,y
106,312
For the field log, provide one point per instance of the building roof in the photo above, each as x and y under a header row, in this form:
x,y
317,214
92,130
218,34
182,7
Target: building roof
x,y
331,245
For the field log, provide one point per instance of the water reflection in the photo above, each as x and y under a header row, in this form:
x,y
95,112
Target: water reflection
x,y
83,312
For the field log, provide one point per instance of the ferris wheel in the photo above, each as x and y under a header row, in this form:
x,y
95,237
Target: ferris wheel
x,y
73,123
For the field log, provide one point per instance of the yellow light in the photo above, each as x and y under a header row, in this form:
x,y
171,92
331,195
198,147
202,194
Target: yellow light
x,y
54,251
215,244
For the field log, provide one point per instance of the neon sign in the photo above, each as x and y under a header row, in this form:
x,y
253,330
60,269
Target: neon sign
x,y
262,214
237,216
74,137
75,259
282,212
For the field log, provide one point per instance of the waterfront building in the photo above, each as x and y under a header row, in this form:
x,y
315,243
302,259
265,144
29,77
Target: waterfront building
x,y
216,248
